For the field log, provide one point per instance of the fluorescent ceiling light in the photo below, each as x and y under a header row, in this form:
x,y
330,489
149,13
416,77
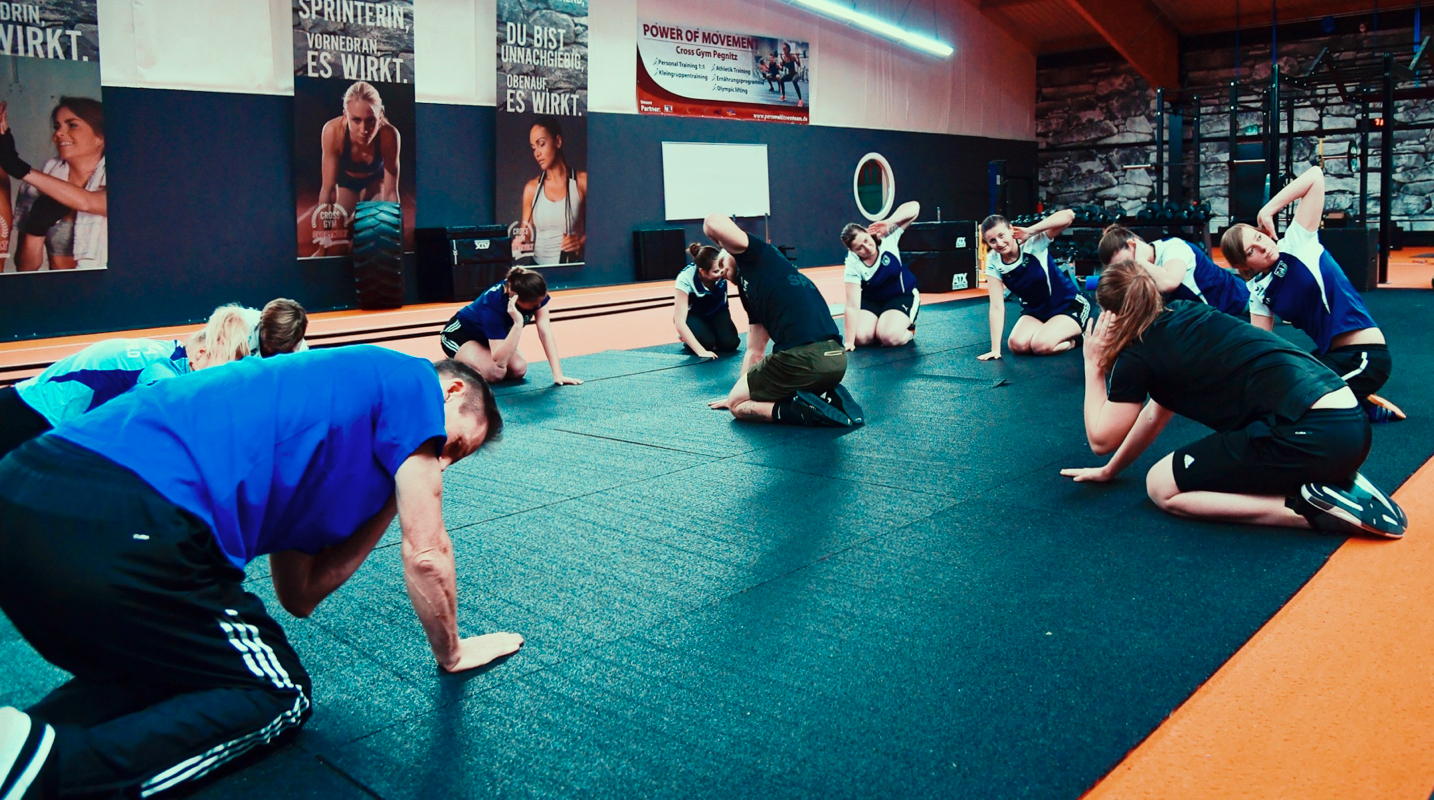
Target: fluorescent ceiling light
x,y
851,15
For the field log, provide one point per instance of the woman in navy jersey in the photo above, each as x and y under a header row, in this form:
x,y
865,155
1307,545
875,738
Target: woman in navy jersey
x,y
1295,279
485,333
1052,309
700,312
881,297
1181,272
1289,436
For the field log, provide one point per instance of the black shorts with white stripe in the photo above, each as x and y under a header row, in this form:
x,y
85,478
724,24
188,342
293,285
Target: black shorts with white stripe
x,y
177,669
1365,367
456,333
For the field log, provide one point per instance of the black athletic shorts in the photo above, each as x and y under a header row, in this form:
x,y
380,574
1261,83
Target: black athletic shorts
x,y
1326,445
902,303
457,333
816,367
19,423
1365,367
1077,309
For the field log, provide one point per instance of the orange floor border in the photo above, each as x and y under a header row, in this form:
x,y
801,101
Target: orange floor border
x,y
1332,698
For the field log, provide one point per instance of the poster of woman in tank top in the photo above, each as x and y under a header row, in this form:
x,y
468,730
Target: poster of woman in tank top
x,y
542,178
353,119
54,212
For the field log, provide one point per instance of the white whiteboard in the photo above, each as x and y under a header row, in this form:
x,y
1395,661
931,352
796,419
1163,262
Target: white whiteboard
x,y
701,178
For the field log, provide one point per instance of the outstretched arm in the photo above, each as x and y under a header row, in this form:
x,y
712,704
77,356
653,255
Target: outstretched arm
x,y
996,290
429,571
904,215
684,331
1143,433
550,348
1308,189
724,231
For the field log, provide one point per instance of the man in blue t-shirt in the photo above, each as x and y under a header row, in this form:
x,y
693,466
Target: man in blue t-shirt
x,y
800,382
137,589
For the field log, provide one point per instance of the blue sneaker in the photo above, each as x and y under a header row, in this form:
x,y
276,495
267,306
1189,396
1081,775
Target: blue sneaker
x,y
1380,410
1353,508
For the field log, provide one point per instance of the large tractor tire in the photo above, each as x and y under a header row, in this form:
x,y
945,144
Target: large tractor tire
x,y
378,254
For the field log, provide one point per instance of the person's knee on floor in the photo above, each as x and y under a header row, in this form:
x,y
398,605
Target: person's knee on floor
x,y
1160,485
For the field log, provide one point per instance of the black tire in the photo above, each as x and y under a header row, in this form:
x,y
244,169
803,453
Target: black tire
x,y
378,254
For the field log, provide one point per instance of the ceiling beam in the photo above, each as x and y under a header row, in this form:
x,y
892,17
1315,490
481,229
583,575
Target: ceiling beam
x,y
1263,16
1139,34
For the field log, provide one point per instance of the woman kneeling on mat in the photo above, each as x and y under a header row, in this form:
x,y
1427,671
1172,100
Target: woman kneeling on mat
x,y
485,333
1052,309
700,312
1289,435
1181,272
881,297
1296,279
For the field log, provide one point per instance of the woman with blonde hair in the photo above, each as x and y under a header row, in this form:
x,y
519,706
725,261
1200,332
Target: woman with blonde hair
x,y
360,161
1289,436
105,370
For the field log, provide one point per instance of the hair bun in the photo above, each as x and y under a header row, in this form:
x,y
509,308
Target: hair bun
x,y
693,249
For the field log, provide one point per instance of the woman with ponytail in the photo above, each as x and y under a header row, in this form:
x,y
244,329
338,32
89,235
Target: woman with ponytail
x,y
485,333
700,312
1289,436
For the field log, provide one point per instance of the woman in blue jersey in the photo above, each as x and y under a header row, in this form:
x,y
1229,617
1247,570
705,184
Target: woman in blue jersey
x,y
881,297
1296,279
1053,312
700,312
485,334
105,370
1180,271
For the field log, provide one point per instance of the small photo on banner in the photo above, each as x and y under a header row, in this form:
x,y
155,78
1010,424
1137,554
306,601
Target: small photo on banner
x,y
54,213
698,72
353,118
542,131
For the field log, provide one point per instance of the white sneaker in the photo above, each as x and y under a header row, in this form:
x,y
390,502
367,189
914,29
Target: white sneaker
x,y
24,749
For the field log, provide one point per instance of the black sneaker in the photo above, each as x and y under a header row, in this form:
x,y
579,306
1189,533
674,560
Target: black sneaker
x,y
842,399
1353,508
24,748
915,309
820,412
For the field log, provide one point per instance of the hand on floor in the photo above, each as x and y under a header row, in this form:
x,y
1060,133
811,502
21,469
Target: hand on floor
x,y
475,651
1087,474
991,356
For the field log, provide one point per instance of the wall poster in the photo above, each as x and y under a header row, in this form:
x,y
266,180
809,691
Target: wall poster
x,y
697,72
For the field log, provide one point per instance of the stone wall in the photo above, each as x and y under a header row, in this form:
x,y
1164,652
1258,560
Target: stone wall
x,y
1094,119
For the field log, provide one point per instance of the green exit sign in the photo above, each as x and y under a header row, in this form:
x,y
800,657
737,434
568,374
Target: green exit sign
x,y
1252,130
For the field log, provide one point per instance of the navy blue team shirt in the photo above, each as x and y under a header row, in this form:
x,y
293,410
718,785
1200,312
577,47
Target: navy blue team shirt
x,y
489,313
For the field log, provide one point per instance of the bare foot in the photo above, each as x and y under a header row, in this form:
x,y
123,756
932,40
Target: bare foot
x,y
475,651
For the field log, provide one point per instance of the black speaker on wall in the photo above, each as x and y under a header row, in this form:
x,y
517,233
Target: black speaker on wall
x,y
457,264
1356,250
659,254
940,236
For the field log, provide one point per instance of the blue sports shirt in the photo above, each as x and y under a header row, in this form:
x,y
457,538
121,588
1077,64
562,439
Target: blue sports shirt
x,y
1042,289
1205,281
1308,289
99,373
700,300
489,313
885,280
289,453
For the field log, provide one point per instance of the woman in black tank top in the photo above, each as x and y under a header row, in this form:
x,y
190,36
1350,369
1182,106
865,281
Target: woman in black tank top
x,y
360,162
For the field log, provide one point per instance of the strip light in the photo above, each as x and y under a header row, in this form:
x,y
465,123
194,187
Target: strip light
x,y
851,15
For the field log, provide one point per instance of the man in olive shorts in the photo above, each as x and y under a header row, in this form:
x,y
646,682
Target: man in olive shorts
x,y
800,382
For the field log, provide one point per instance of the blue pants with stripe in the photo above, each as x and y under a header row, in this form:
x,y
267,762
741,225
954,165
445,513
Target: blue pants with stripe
x,y
177,670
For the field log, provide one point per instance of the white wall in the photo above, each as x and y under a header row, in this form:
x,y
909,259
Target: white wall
x,y
987,88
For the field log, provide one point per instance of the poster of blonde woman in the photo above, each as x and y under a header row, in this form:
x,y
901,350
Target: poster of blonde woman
x,y
54,212
353,119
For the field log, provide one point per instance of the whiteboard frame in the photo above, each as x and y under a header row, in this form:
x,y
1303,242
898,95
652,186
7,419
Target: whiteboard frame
x,y
767,211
